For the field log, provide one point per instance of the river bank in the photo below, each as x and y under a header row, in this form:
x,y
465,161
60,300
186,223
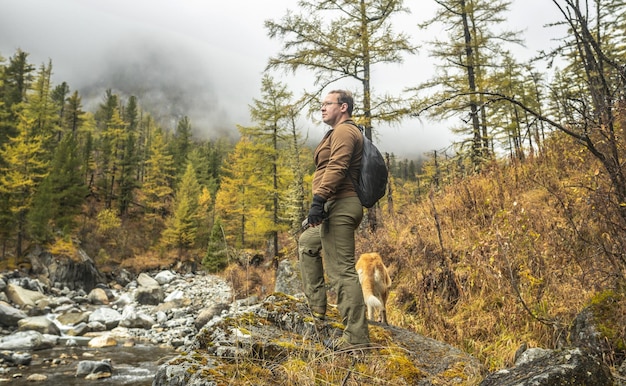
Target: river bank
x,y
48,332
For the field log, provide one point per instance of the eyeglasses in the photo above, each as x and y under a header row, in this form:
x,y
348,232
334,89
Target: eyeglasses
x,y
324,104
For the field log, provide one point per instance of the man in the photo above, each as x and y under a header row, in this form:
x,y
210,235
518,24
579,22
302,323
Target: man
x,y
335,214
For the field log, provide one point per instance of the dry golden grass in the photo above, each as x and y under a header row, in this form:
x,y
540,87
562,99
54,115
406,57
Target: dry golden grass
x,y
498,259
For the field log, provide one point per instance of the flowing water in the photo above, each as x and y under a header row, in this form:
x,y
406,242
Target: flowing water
x,y
135,365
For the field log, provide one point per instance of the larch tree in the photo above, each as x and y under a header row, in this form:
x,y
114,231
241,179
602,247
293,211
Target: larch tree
x,y
472,47
156,193
182,226
271,115
25,166
344,39
244,199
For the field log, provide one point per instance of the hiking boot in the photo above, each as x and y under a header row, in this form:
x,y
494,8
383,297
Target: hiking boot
x,y
318,313
342,345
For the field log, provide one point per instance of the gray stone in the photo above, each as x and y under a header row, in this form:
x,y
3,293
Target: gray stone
x,y
85,368
40,324
553,367
10,316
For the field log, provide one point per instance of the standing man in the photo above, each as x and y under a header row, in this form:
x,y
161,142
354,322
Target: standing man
x,y
335,214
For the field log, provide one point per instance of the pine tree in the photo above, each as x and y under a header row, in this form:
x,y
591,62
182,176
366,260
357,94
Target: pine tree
x,y
216,257
60,196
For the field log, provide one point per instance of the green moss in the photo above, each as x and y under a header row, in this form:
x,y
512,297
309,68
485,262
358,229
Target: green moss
x,y
607,306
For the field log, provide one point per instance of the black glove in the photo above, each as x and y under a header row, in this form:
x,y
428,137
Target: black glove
x,y
316,213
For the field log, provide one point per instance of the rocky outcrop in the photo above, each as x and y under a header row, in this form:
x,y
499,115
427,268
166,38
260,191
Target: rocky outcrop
x,y
74,272
542,367
279,342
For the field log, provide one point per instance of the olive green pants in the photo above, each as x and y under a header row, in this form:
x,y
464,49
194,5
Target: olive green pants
x,y
336,238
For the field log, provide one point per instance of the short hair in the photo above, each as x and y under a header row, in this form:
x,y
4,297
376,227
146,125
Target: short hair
x,y
344,97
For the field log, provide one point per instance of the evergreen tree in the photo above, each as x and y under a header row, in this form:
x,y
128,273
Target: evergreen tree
x,y
156,191
216,257
17,78
129,157
244,197
471,48
25,166
182,227
61,194
271,113
181,145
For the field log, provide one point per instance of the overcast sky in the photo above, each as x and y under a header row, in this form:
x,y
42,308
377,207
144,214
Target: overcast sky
x,y
205,58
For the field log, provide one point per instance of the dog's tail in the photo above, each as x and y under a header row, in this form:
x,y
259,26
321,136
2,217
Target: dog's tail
x,y
373,301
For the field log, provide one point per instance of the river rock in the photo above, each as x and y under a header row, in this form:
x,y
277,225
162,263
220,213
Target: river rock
x,y
144,280
107,316
98,296
133,319
85,368
37,378
39,323
28,341
209,313
165,277
149,295
9,315
72,318
16,358
102,341
21,296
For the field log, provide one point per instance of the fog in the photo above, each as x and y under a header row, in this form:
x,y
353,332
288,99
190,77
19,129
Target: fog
x,y
205,59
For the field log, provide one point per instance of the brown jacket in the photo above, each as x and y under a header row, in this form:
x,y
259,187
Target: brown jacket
x,y
340,151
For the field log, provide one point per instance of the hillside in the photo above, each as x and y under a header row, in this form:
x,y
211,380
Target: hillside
x,y
507,257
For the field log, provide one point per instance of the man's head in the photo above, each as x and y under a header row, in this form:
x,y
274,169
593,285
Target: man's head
x,y
337,107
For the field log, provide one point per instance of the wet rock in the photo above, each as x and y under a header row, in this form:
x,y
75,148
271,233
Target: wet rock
x,y
37,378
10,316
40,324
102,341
71,318
16,358
85,368
28,341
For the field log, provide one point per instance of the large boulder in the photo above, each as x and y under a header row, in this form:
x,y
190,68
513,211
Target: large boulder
x,y
23,297
543,367
28,340
40,324
9,315
77,271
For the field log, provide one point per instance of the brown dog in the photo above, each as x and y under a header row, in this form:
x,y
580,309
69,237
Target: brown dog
x,y
375,282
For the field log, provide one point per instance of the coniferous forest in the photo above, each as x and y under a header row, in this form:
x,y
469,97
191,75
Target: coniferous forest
x,y
497,241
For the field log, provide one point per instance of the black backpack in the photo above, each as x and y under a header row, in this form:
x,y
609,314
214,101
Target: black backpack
x,y
372,183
